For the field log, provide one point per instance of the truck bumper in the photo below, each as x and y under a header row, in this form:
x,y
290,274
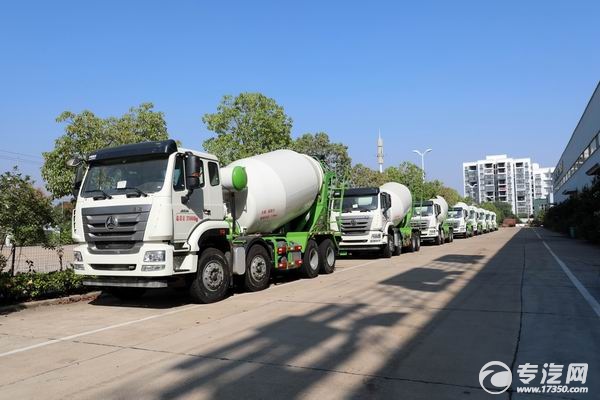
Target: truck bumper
x,y
429,234
369,242
130,269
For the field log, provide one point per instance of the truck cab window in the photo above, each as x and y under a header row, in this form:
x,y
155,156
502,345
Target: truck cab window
x,y
213,173
179,174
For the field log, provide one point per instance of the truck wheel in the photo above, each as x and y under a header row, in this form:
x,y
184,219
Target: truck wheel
x,y
327,257
212,279
398,249
439,239
418,242
451,237
127,293
413,244
388,249
258,269
310,261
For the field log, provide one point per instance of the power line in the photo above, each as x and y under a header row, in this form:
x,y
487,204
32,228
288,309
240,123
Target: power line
x,y
21,154
18,160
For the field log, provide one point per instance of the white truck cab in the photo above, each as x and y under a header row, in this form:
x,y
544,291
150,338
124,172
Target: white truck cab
x,y
141,210
458,219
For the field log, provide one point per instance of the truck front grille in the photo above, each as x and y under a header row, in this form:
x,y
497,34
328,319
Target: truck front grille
x,y
115,229
355,225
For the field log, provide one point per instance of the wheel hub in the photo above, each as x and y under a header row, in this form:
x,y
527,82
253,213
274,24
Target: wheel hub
x,y
258,268
213,275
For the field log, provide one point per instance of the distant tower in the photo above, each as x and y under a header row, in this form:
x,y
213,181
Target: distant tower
x,y
380,152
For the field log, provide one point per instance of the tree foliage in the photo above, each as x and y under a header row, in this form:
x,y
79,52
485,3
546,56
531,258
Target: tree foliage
x,y
581,212
246,125
24,210
334,155
85,133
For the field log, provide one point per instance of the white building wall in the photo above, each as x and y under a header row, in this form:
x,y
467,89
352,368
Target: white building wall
x,y
582,153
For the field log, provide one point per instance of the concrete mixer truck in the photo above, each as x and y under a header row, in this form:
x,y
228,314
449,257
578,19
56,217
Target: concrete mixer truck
x,y
152,215
474,220
458,219
481,220
430,219
494,222
377,219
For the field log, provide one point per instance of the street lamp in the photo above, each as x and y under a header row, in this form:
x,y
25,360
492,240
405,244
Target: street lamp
x,y
422,154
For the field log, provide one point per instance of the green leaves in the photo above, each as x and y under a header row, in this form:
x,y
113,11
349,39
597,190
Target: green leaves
x,y
24,210
85,133
33,285
246,125
334,155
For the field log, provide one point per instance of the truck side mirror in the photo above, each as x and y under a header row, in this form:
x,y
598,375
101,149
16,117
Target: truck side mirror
x,y
194,177
78,180
193,172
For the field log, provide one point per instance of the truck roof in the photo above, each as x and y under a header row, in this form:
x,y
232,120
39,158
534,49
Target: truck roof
x,y
164,147
361,191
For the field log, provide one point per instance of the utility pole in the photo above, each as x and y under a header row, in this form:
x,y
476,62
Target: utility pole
x,y
422,155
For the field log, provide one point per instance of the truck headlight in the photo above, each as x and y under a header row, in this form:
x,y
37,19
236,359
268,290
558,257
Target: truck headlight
x,y
78,267
77,256
376,236
154,256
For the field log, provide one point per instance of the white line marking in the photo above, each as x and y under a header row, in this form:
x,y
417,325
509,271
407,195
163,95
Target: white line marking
x,y
584,292
106,328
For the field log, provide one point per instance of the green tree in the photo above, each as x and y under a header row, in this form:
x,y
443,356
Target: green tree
x,y
363,176
24,211
407,174
246,125
85,132
334,155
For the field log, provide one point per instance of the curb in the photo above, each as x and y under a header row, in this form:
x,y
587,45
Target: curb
x,y
49,302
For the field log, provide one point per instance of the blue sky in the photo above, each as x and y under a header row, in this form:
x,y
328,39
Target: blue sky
x,y
464,78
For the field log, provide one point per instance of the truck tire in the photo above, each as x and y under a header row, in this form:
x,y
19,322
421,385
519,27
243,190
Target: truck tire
x,y
258,269
212,279
418,241
388,249
327,256
439,239
310,260
413,244
450,236
398,249
126,293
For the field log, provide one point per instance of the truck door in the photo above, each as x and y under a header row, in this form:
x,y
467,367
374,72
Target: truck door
x,y
185,215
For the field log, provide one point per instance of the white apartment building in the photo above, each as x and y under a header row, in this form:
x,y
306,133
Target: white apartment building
x,y
500,178
543,187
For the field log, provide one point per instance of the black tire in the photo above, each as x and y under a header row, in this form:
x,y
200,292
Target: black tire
x,y
310,260
418,241
451,236
212,279
327,256
388,249
398,249
439,240
413,244
126,293
258,269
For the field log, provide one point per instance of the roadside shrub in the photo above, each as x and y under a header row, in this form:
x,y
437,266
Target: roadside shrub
x,y
34,286
581,212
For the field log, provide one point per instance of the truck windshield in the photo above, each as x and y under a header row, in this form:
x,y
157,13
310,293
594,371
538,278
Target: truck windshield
x,y
454,214
123,176
424,211
360,203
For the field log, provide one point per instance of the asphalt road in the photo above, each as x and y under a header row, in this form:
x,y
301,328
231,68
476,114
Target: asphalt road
x,y
417,326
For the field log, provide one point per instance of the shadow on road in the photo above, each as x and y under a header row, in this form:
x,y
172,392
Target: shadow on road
x,y
297,353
